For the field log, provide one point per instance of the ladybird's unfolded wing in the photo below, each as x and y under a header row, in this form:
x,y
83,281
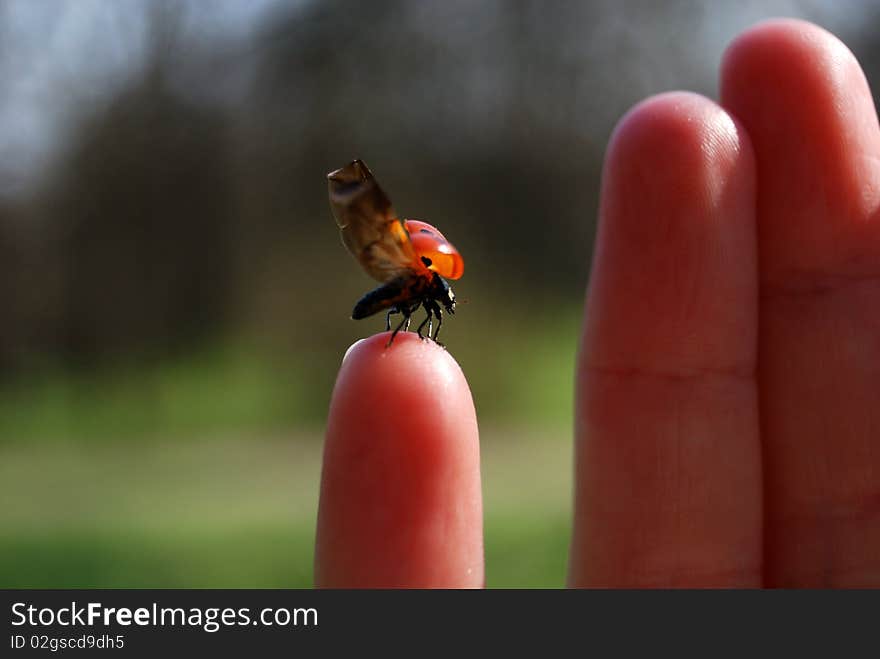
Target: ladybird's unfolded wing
x,y
370,228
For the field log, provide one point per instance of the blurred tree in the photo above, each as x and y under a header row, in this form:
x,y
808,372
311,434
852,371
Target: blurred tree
x,y
11,300
142,200
490,120
193,201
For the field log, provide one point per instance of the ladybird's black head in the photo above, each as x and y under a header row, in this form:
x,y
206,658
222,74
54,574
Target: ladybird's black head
x,y
442,292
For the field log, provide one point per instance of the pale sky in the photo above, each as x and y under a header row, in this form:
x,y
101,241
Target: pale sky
x,y
56,55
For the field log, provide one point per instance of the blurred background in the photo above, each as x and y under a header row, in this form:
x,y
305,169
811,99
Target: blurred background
x,y
174,296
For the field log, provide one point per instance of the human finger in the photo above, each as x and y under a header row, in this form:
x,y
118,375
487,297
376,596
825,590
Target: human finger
x,y
806,105
668,480
400,502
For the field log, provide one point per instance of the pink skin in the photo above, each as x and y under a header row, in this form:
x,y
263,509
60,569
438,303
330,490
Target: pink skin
x,y
817,147
669,478
711,449
400,492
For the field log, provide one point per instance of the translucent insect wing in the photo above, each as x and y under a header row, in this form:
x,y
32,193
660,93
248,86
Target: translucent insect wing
x,y
370,228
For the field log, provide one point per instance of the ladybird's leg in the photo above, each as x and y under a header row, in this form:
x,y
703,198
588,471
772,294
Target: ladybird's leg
x,y
422,324
439,314
433,310
404,324
429,320
412,310
396,330
388,318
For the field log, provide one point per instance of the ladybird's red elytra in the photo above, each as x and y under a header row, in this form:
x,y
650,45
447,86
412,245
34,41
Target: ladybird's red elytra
x,y
411,258
429,243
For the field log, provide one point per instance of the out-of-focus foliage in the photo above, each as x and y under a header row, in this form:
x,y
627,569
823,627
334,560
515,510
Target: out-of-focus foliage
x,y
174,296
182,199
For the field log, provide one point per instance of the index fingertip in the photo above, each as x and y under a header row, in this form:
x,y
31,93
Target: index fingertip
x,y
400,501
372,358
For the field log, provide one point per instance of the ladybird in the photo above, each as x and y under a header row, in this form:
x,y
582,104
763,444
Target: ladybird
x,y
410,258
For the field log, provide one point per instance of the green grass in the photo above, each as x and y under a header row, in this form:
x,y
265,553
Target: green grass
x,y
203,471
262,556
219,389
518,376
239,512
521,371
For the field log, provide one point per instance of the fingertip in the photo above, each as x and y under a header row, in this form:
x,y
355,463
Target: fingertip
x,y
413,381
805,101
676,143
400,494
353,347
675,247
796,68
787,46
413,367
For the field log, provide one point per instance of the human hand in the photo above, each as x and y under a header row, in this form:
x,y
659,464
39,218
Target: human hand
x,y
728,380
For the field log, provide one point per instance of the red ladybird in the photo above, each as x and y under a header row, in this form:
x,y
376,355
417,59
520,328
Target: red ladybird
x,y
411,258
